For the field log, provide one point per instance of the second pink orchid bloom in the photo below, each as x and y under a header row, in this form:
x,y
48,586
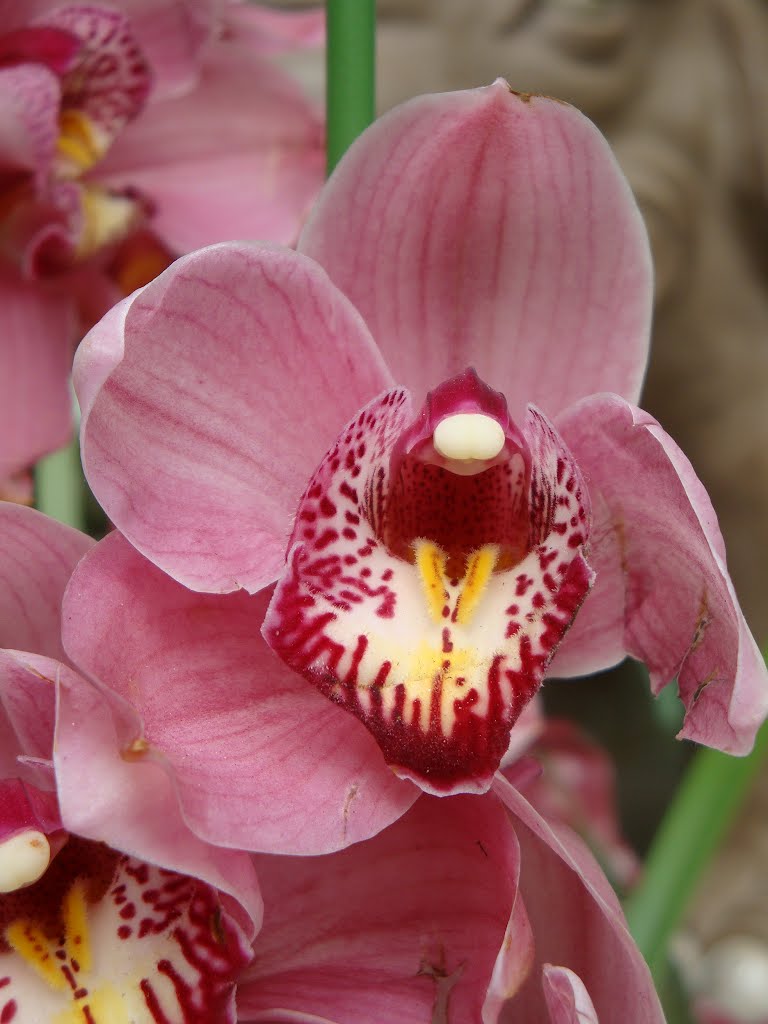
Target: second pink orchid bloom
x,y
129,134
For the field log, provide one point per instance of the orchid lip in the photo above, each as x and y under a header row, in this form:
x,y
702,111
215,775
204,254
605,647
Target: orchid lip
x,y
426,601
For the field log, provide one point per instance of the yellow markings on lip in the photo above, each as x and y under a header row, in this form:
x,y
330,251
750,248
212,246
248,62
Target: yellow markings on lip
x,y
79,145
75,912
105,1006
447,603
32,945
430,563
480,566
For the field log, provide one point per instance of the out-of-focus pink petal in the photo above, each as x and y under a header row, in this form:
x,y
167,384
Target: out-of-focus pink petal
x,y
215,167
405,927
567,999
29,107
276,767
577,786
109,793
681,615
172,34
37,556
492,229
27,711
576,920
267,30
35,357
241,362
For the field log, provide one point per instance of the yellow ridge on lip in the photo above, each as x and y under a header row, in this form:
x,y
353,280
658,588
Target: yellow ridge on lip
x,y
79,145
480,566
75,911
32,945
431,563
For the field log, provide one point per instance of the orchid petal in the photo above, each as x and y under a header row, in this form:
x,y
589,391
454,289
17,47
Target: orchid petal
x,y
266,359
567,999
29,107
109,793
37,556
577,786
494,229
399,928
276,767
588,934
267,30
172,35
35,356
214,167
28,701
682,617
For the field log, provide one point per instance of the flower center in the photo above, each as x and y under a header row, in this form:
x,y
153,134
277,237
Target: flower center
x,y
102,938
435,565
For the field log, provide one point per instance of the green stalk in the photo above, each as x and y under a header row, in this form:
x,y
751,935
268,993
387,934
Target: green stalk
x,y
59,486
350,73
694,825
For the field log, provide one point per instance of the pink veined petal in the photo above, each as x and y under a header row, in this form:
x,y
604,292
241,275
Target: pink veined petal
x,y
682,617
110,793
24,808
27,716
240,363
268,30
492,229
567,999
35,357
577,922
275,766
29,108
405,927
240,156
37,556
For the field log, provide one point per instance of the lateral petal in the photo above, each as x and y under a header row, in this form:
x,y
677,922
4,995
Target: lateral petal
x,y
681,615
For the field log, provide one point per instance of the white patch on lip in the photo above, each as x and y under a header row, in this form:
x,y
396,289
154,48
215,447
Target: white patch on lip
x,y
23,859
468,436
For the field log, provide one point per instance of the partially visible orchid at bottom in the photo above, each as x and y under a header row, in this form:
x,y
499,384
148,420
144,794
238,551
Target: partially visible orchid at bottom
x,y
116,908
131,133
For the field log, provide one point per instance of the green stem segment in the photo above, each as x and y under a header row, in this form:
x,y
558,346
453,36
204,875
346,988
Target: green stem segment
x,y
59,487
694,825
350,70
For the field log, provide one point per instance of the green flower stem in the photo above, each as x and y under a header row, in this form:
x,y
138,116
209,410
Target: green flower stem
x,y
59,487
350,71
696,822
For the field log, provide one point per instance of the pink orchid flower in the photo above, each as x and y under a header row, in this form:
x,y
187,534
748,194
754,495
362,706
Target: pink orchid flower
x,y
439,917
438,553
131,133
134,917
